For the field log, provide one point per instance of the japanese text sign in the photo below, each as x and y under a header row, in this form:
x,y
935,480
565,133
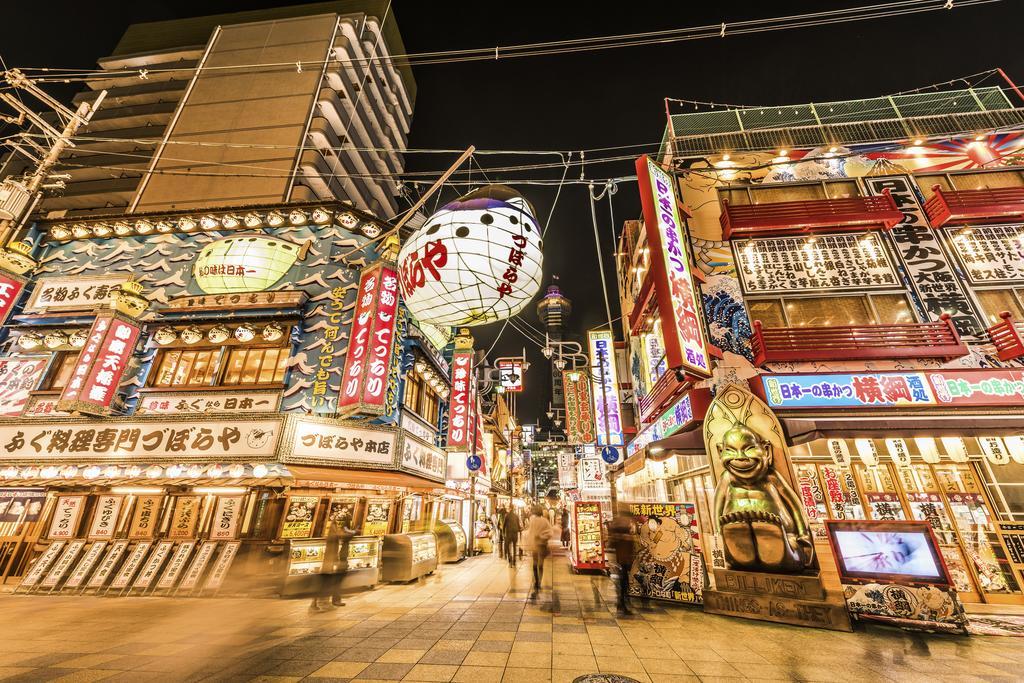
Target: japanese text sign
x,y
670,422
423,459
317,442
607,409
510,372
11,287
678,300
18,376
990,253
78,293
365,376
101,364
460,419
66,515
225,518
579,413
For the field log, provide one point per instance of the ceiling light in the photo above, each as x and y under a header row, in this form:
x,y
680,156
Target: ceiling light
x,y
136,490
347,220
783,152
111,471
918,142
297,217
275,219
174,471
223,490
726,157
187,223
78,338
253,220
260,471
833,149
154,471
979,138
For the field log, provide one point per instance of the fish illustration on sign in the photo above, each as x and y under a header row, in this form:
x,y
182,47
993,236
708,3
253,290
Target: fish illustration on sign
x,y
245,263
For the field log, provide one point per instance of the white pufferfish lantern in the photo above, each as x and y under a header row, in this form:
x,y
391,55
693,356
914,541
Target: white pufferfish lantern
x,y
475,261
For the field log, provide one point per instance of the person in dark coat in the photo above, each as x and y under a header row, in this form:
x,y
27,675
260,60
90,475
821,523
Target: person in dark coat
x,y
621,534
510,537
565,527
334,567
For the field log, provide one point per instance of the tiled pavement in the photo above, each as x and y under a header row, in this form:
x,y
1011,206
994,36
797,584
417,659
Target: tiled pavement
x,y
469,622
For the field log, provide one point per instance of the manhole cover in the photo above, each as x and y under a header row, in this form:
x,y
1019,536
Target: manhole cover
x,y
604,678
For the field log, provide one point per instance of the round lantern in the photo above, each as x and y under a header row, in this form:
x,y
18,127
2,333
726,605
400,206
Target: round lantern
x,y
245,263
30,340
165,335
55,339
245,332
218,334
78,338
272,332
192,335
475,261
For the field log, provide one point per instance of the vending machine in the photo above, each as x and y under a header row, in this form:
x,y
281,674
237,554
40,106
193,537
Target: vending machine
x,y
587,546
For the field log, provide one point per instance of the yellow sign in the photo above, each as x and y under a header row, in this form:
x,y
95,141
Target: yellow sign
x,y
298,517
376,521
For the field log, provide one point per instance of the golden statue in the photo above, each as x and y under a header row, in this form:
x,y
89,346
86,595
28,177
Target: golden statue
x,y
757,513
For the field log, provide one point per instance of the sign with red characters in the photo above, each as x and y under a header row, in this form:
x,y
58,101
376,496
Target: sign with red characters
x,y
364,380
101,365
11,287
579,411
460,418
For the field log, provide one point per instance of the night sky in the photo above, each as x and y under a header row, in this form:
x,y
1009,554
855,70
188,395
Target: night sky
x,y
588,100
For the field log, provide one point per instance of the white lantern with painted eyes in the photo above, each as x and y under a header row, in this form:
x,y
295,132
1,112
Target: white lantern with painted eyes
x,y
165,335
191,335
55,340
78,338
30,341
218,334
272,332
475,261
245,332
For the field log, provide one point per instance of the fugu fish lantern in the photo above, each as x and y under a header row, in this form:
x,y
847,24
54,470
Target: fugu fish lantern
x,y
475,261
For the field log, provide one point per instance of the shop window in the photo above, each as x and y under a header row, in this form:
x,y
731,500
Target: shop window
x,y
63,367
769,312
985,180
824,311
255,366
827,311
995,301
202,367
179,368
891,309
788,193
413,390
429,407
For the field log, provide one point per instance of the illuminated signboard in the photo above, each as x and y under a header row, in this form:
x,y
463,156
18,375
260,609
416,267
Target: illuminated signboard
x,y
579,415
944,388
460,412
364,379
670,422
245,263
11,286
74,293
510,372
678,302
101,364
607,410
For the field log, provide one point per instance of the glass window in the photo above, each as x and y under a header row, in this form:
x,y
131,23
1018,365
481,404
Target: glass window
x,y
834,310
995,301
256,366
186,368
735,196
842,189
985,181
769,312
413,389
891,309
787,193
927,182
60,375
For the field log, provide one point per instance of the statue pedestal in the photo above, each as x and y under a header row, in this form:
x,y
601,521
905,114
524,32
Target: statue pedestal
x,y
800,600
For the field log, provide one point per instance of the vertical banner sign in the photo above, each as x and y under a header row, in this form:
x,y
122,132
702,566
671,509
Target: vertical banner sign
x,y
186,514
459,424
101,364
678,306
145,517
937,285
510,372
65,517
898,451
104,517
364,380
322,401
225,518
106,567
88,561
11,287
607,410
176,566
579,415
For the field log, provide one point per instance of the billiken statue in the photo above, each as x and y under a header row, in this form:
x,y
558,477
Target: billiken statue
x,y
757,513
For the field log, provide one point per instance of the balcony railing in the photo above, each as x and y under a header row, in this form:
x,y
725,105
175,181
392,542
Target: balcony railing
x,y
1008,337
857,342
794,218
974,206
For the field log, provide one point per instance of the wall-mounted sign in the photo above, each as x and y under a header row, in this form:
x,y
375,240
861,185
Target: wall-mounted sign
x,y
18,376
146,441
917,245
604,375
567,470
21,504
131,565
66,515
591,474
145,517
198,566
510,372
460,425
579,412
85,565
795,264
424,459
11,287
104,517
417,427
184,518
321,442
378,511
678,301
152,567
215,302
110,561
365,375
177,403
245,263
990,254
176,566
101,364
299,515
226,516
73,293
667,424
946,388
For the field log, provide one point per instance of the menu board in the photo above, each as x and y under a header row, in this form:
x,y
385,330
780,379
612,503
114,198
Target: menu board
x,y
1013,538
225,518
306,557
85,565
131,565
104,517
300,511
42,563
589,546
108,565
990,254
63,565
185,517
220,568
376,521
198,566
176,566
145,517
153,566
342,511
424,547
65,517
668,563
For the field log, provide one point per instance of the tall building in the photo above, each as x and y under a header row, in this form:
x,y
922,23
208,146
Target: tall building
x,y
554,310
853,268
289,104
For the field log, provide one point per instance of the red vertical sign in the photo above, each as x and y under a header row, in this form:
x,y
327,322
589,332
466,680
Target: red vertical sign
x,y
460,420
364,379
11,287
101,365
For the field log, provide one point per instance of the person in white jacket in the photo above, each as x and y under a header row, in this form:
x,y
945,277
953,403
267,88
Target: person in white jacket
x,y
538,532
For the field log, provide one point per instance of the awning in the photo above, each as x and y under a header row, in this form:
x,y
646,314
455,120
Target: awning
x,y
801,430
362,478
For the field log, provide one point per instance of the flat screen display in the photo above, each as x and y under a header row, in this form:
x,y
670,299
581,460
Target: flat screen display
x,y
897,552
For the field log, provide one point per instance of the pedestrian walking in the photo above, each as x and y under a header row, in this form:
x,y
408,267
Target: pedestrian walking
x,y
622,535
565,527
538,533
500,519
510,537
334,567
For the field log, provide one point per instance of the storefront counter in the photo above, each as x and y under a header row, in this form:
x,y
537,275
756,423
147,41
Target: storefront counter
x,y
451,541
409,556
306,560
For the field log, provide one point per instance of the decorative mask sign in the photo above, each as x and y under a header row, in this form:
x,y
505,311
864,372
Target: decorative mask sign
x,y
579,415
475,261
101,365
678,303
607,409
364,380
459,421
245,263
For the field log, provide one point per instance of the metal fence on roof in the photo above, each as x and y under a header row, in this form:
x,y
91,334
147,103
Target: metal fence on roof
x,y
874,120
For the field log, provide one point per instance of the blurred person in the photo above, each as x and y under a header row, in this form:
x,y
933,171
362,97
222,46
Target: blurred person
x,y
538,533
500,517
621,532
510,537
565,527
334,567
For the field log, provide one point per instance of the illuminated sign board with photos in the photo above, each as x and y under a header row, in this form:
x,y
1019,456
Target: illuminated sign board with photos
x,y
607,408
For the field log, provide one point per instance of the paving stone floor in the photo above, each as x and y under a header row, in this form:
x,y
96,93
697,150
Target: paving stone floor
x,y
469,622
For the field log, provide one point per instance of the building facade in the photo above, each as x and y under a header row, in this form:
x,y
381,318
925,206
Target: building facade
x,y
858,270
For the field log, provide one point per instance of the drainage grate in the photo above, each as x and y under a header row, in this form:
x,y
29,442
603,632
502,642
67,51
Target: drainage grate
x,y
604,678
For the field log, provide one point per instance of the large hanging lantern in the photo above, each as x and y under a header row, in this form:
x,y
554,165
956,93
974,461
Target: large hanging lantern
x,y
475,261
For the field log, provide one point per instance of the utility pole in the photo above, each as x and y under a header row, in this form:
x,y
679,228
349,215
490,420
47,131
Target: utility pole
x,y
19,198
